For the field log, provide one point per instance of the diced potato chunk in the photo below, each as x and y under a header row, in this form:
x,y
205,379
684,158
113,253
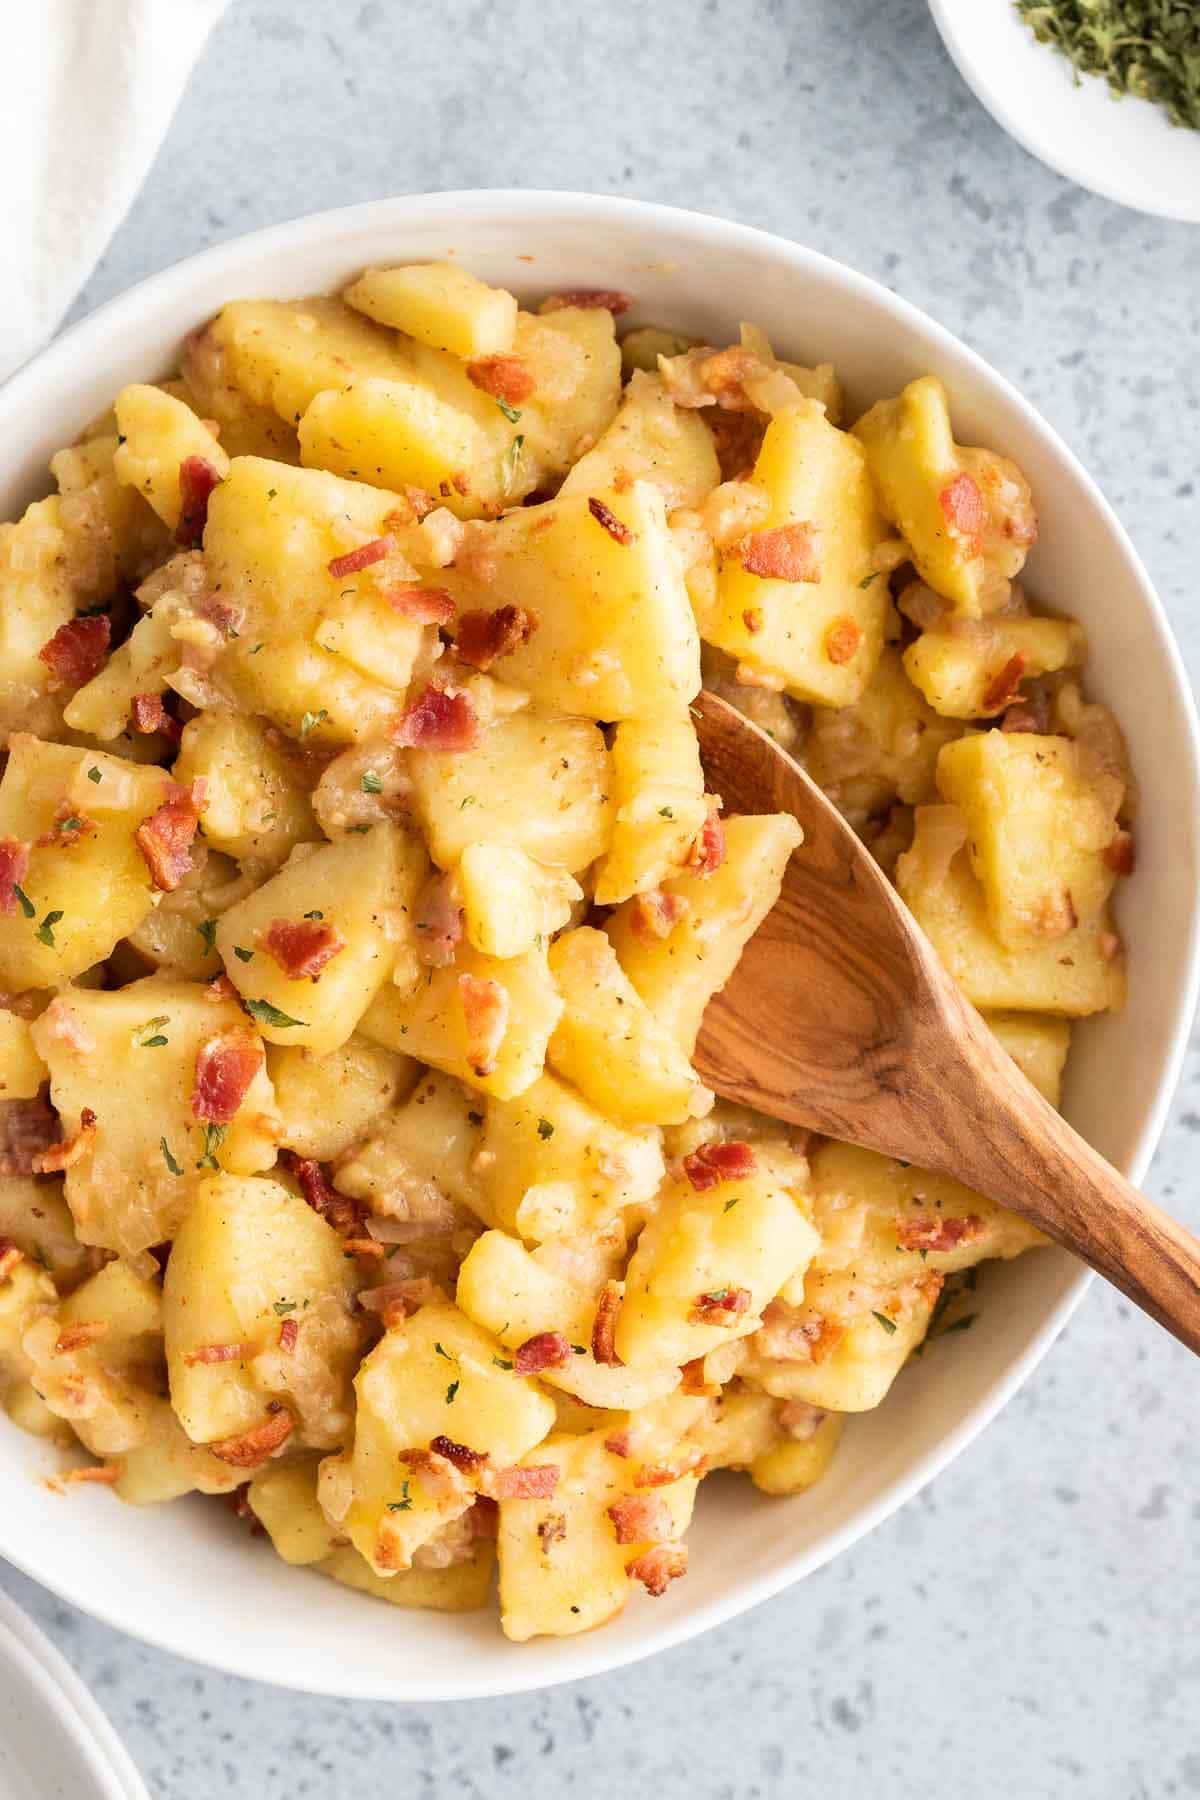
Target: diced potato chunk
x,y
437,1375
158,433
28,1294
177,936
821,636
90,889
573,358
795,1464
22,1070
609,1042
98,1364
512,904
964,514
457,1587
150,1153
659,805
283,1497
738,1241
553,1165
882,749
519,1294
562,1569
364,887
439,304
255,804
615,637
1038,1047
166,1464
1079,973
249,1256
37,596
974,674
484,793
36,1218
650,440
678,975
124,538
326,1103
419,1159
281,353
143,664
1038,826
398,434
433,1022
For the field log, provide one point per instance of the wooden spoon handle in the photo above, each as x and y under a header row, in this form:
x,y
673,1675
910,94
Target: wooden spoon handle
x,y
1016,1149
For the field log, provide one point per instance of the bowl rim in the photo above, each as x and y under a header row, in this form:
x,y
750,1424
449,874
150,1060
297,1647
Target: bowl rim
x,y
713,235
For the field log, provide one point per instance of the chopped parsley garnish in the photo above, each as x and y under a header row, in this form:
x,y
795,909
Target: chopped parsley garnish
x,y
868,579
666,812
168,1158
72,824
579,1349
360,830
443,1352
963,1324
889,1325
266,1014
512,460
208,931
510,412
316,913
450,1393
730,1204
94,773
476,1118
371,783
27,906
468,800
271,493
242,955
404,1504
545,1129
311,720
283,1307
500,1363
45,931
214,1137
157,1039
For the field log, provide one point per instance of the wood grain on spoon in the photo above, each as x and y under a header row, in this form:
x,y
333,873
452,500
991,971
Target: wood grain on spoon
x,y
841,1017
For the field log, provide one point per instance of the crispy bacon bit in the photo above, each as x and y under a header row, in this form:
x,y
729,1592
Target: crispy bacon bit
x,y
712,1163
1121,855
783,553
653,1475
938,1234
720,1307
604,1329
483,1517
363,557
10,1256
80,1336
227,619
225,1067
505,378
694,1379
1031,713
618,1444
338,1210
28,1129
753,619
218,1353
1004,684
423,605
460,1455
165,837
842,642
657,1568
708,852
77,651
250,1448
395,1301
197,479
611,300
484,637
70,825
536,1483
220,990
438,1472
14,866
438,921
147,714
64,1156
822,1337
638,1518
608,520
655,914
101,1474
438,721
548,1350
800,1419
289,1331
302,947
964,510
364,1246
551,1530
485,1008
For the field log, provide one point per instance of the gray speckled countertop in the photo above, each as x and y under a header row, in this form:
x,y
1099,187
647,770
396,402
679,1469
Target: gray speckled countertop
x,y
1027,1627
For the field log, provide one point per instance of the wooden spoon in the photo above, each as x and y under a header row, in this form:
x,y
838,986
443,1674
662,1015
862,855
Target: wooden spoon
x,y
840,1017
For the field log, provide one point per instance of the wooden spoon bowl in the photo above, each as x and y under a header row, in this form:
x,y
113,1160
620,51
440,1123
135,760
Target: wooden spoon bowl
x,y
840,1017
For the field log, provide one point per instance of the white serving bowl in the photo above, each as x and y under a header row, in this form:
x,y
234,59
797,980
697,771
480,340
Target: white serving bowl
x,y
1125,149
184,1576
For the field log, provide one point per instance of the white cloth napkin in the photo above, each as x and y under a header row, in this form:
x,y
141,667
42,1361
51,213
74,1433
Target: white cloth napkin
x,y
90,88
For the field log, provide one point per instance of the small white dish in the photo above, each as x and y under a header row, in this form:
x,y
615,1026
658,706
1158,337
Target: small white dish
x,y
55,1743
186,1576
1125,149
